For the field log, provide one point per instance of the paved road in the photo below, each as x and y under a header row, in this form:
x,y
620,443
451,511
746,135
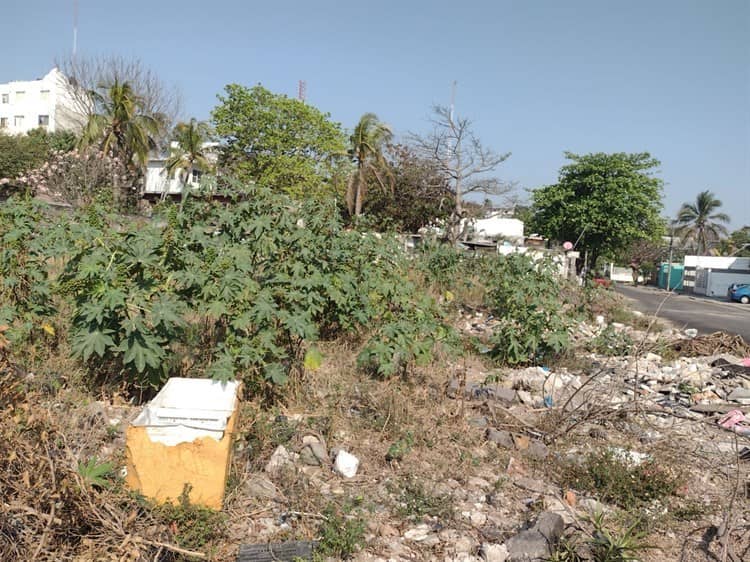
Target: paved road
x,y
705,315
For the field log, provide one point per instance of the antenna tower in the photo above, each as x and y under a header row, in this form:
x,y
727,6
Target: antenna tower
x,y
75,28
302,90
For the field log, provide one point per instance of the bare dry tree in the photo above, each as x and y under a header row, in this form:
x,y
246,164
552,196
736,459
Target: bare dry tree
x,y
462,158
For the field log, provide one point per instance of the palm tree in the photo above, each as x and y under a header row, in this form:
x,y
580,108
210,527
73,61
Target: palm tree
x,y
189,150
119,126
366,150
698,221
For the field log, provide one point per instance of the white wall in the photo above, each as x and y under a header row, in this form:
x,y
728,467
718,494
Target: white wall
x,y
49,95
717,262
497,227
717,282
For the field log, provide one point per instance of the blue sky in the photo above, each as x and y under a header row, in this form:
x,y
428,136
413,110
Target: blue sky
x,y
671,77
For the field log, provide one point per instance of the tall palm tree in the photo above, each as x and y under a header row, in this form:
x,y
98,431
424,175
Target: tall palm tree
x,y
119,126
698,221
189,149
367,143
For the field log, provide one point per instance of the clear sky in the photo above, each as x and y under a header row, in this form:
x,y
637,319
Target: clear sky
x,y
671,77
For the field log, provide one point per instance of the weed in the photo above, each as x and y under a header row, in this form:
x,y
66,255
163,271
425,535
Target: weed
x,y
609,546
619,481
94,473
414,502
193,526
399,449
341,533
611,342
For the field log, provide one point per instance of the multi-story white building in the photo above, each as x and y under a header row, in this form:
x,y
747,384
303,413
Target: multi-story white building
x,y
47,102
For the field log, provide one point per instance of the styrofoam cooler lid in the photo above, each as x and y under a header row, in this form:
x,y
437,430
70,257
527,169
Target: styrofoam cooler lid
x,y
197,403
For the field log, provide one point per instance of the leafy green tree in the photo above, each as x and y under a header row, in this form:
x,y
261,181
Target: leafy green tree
x,y
738,243
421,194
190,149
603,201
366,147
119,124
700,223
278,142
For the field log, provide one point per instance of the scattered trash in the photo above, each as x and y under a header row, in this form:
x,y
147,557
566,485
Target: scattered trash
x,y
182,440
731,421
346,464
691,332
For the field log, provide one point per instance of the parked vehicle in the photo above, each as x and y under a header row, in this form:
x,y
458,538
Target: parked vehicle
x,y
740,293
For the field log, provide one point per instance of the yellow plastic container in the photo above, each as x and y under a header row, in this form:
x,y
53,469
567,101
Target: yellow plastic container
x,y
183,437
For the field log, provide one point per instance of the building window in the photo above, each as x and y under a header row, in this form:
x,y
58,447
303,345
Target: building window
x,y
44,94
3,122
43,120
20,95
5,98
18,121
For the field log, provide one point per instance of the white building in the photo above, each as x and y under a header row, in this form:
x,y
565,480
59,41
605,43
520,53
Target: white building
x,y
161,184
47,102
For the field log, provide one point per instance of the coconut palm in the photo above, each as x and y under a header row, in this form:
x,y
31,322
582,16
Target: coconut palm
x,y
700,223
366,150
119,126
189,149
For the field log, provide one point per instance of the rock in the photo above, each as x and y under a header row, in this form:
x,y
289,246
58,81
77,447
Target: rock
x,y
307,456
479,421
281,461
653,357
537,450
505,395
493,552
555,505
258,486
533,485
524,396
477,518
418,533
537,543
476,483
502,438
740,395
346,464
310,439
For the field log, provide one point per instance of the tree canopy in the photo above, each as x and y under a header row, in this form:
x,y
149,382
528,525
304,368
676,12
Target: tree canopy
x,y
120,124
420,196
20,154
366,147
603,201
700,223
276,141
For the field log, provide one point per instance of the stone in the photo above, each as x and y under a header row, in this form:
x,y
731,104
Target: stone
x,y
555,505
346,464
479,421
307,456
476,483
524,396
537,450
740,395
537,543
418,533
493,552
281,461
260,487
477,518
502,438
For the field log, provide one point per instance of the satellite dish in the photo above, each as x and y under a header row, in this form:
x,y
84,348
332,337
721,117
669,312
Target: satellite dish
x,y
567,245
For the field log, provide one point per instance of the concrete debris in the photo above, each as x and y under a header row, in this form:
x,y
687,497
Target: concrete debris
x,y
538,542
346,464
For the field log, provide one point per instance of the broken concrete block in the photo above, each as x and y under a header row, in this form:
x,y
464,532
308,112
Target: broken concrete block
x,y
281,460
346,464
537,543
